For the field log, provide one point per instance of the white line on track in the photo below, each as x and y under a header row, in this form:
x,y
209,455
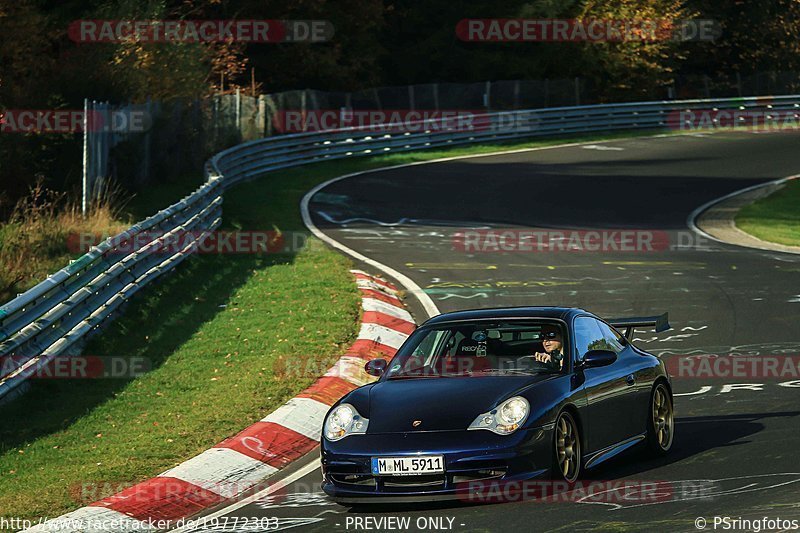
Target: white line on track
x,y
410,286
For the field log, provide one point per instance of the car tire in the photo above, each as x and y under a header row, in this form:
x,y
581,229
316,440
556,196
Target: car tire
x,y
660,421
567,457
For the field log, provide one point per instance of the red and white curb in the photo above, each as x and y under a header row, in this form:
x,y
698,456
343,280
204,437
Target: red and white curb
x,y
241,464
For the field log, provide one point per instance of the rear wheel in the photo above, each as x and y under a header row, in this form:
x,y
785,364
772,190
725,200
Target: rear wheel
x,y
661,423
567,457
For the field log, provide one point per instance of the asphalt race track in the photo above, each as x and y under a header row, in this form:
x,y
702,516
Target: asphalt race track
x,y
736,449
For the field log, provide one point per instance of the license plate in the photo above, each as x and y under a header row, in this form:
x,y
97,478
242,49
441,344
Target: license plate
x,y
408,466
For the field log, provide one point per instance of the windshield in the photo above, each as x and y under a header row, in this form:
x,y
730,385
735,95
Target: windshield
x,y
481,349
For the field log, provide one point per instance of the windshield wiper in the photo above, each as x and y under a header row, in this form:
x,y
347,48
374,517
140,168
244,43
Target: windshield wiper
x,y
416,376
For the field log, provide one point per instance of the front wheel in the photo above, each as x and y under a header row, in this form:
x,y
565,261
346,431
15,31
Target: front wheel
x,y
661,423
567,457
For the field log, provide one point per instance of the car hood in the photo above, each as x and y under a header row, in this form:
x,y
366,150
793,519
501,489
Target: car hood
x,y
440,404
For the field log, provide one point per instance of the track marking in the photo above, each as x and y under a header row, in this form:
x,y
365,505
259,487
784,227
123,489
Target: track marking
x,y
704,389
476,295
451,266
425,300
603,148
332,220
278,485
703,494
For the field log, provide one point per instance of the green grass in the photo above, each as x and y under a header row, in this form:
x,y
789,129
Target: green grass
x,y
775,218
215,333
219,334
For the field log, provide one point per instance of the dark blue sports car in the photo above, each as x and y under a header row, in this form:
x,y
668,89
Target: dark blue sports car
x,y
497,396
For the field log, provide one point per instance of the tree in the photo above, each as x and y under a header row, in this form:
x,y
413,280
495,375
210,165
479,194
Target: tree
x,y
634,69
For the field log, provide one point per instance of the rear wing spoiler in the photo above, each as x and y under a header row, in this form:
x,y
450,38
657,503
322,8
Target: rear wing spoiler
x,y
660,323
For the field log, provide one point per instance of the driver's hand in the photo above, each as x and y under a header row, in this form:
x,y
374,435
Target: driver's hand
x,y
542,357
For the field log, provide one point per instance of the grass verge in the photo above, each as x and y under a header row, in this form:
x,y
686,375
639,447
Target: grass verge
x,y
775,218
220,335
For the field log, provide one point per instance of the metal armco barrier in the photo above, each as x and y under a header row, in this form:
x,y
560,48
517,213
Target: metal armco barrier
x,y
55,315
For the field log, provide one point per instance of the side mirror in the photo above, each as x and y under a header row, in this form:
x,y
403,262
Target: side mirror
x,y
376,367
596,358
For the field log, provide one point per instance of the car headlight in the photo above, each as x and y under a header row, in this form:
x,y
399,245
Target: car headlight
x,y
506,418
344,420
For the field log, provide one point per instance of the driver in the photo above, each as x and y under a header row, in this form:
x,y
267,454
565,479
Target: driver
x,y
553,347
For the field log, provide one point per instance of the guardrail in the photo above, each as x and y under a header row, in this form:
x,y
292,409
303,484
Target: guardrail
x,y
53,317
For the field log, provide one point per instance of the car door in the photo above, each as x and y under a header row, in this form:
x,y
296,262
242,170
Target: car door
x,y
608,393
638,385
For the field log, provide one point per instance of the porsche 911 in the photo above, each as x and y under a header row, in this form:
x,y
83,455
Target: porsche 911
x,y
497,395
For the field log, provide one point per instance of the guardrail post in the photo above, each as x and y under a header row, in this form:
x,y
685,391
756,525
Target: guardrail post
x,y
238,105
85,177
262,115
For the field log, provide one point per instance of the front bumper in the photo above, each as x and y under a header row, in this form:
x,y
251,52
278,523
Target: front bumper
x,y
474,461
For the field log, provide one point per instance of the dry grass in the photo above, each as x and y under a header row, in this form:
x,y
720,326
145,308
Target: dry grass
x,y
34,242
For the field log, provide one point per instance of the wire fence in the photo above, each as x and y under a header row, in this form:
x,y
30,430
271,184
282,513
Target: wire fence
x,y
180,135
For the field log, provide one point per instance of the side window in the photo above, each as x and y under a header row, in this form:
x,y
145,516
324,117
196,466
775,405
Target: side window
x,y
425,351
586,335
591,334
425,347
611,338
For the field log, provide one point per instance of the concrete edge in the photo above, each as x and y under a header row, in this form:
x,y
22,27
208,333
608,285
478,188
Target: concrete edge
x,y
714,220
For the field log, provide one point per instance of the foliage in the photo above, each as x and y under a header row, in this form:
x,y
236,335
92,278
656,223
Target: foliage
x,y
376,43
